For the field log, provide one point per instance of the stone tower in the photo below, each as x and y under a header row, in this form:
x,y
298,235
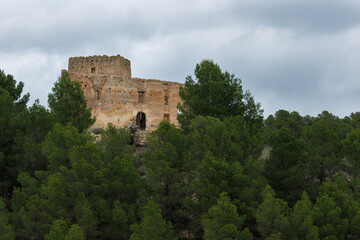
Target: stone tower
x,y
116,97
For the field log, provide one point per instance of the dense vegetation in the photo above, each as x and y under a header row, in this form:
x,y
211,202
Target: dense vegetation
x,y
209,179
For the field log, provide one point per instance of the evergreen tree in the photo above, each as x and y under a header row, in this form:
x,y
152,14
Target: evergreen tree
x,y
68,104
285,169
323,146
352,151
8,83
328,219
232,139
58,230
284,119
75,233
11,105
6,230
85,217
337,211
33,124
271,216
152,226
58,144
169,172
217,94
223,221
115,143
119,225
302,220
7,162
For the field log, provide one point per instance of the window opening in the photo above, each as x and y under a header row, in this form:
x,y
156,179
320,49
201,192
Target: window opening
x,y
140,97
141,120
97,94
167,117
92,70
166,100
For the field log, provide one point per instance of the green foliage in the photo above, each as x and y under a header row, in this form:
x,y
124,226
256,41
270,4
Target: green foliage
x,y
32,126
75,233
11,105
285,168
217,176
6,230
302,220
119,227
217,94
169,172
231,139
284,119
328,219
6,118
115,143
125,183
336,211
222,153
352,151
85,217
59,142
272,216
340,126
223,221
68,104
171,142
33,220
59,231
241,182
7,128
323,146
353,119
8,83
29,186
152,225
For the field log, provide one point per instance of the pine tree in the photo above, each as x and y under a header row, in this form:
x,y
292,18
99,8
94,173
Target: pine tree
x,y
152,226
68,104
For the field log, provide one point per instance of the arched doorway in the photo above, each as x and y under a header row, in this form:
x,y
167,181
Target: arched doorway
x,y
141,120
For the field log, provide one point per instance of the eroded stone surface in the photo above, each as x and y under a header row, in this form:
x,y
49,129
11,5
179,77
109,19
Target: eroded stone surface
x,y
115,97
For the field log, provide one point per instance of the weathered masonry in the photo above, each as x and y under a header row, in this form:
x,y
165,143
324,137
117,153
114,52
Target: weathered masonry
x,y
116,97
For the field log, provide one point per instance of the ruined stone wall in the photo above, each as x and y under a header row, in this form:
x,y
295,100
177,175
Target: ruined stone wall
x,y
100,65
117,98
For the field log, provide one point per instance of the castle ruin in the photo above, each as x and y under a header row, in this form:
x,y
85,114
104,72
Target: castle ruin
x,y
115,97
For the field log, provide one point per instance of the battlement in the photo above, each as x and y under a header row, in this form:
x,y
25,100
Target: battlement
x,y
100,65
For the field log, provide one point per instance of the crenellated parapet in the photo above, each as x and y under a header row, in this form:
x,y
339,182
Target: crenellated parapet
x,y
100,65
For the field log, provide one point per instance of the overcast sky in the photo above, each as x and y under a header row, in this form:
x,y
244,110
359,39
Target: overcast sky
x,y
298,55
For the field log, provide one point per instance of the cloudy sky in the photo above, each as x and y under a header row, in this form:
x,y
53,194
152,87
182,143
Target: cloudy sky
x,y
298,55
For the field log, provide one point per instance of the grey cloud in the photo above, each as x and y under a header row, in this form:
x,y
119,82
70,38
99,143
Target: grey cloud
x,y
66,28
315,16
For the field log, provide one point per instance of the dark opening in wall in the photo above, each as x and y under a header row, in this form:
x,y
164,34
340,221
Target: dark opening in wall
x,y
141,120
92,70
167,117
97,94
141,97
166,100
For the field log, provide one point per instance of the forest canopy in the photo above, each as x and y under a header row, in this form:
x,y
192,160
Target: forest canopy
x,y
226,173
